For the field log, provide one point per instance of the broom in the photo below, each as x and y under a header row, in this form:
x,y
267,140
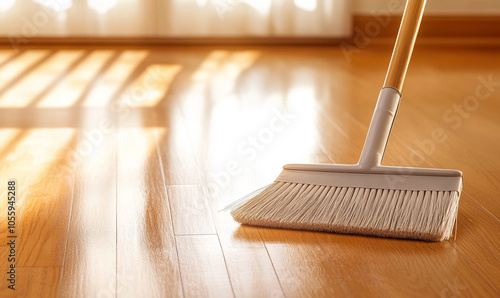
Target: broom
x,y
366,198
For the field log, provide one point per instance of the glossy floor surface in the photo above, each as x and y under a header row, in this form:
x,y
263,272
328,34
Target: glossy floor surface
x,y
124,157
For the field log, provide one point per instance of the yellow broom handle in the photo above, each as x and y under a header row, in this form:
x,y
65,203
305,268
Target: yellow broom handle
x,y
407,35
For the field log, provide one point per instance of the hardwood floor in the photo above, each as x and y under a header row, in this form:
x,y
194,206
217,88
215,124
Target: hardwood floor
x,y
124,158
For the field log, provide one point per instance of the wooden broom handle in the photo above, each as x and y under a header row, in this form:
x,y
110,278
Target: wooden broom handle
x,y
403,48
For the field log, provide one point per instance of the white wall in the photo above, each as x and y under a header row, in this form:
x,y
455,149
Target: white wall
x,y
435,7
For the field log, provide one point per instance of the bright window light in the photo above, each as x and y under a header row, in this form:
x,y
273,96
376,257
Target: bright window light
x,y
221,70
41,150
6,5
5,55
34,83
56,5
151,86
307,5
103,91
262,6
201,3
19,64
72,86
102,6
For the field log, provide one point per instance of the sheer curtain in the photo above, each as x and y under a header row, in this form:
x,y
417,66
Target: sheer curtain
x,y
175,18
261,18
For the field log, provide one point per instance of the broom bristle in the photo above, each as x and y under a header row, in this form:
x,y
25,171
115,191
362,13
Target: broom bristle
x,y
423,215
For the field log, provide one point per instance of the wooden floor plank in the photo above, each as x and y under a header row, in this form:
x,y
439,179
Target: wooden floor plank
x,y
190,212
251,272
479,219
229,176
176,150
4,264
44,205
481,257
43,232
146,252
389,267
40,282
302,267
90,263
203,269
18,158
248,263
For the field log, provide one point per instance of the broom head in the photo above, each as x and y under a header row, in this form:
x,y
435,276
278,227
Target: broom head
x,y
396,202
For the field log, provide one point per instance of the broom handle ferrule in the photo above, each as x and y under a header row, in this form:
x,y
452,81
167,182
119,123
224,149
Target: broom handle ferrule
x,y
405,41
380,128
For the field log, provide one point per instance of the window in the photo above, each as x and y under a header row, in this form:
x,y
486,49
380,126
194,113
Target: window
x,y
102,6
56,5
6,5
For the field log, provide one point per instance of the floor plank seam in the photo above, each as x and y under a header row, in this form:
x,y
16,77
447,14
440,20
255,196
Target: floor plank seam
x,y
323,149
190,142
332,123
210,208
485,243
471,266
272,264
115,151
225,265
162,171
479,273
332,266
73,182
482,207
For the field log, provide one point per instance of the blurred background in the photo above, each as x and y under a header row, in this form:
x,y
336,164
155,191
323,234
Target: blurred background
x,y
191,19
